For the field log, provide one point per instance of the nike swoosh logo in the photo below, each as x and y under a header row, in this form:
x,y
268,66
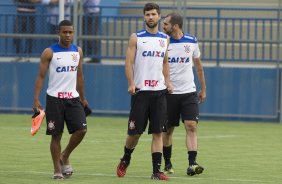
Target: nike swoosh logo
x,y
58,58
169,49
84,124
144,42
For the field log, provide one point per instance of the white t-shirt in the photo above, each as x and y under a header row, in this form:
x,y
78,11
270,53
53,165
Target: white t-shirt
x,y
180,57
148,66
63,72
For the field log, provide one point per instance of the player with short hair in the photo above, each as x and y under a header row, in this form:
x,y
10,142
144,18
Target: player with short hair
x,y
63,101
183,102
147,72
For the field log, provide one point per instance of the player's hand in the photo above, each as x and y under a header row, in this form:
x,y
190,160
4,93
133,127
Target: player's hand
x,y
37,105
202,96
169,87
131,89
84,102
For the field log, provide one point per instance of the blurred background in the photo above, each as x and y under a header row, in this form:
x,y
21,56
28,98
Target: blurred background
x,y
240,43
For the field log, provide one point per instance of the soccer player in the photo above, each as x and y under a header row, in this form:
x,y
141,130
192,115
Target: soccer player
x,y
63,101
183,102
147,72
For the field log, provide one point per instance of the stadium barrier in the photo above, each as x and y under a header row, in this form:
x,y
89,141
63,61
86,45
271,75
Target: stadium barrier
x,y
232,93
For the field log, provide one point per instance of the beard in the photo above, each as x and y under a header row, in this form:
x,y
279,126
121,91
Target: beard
x,y
152,25
168,32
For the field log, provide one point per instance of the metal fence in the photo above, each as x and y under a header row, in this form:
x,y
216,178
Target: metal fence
x,y
225,34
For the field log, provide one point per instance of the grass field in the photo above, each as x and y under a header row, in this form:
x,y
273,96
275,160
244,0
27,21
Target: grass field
x,y
231,152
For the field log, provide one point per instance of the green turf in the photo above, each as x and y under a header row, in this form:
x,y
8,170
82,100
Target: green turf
x,y
231,152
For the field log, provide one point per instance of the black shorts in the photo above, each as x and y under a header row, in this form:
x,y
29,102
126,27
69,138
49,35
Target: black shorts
x,y
60,110
184,105
147,105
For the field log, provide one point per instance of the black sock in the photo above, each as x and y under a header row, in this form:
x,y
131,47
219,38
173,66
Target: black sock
x,y
157,161
127,155
192,157
167,154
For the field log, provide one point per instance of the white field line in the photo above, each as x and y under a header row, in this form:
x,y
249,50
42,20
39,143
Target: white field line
x,y
172,177
175,138
143,139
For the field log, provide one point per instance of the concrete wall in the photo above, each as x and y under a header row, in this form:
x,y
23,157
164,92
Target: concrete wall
x,y
232,93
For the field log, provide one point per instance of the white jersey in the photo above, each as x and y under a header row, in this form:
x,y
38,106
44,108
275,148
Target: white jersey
x,y
63,72
180,57
148,65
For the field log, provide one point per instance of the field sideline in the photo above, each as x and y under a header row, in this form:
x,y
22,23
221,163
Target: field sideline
x,y
231,152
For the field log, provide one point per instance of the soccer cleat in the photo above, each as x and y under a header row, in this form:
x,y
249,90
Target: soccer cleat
x,y
159,176
168,169
36,120
194,169
121,168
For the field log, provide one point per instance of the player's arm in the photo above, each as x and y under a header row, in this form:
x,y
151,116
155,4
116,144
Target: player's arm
x,y
46,57
129,62
201,76
80,80
166,72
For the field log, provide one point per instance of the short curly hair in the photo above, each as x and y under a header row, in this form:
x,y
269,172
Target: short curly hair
x,y
151,6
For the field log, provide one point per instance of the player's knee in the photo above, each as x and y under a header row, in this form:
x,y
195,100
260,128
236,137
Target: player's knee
x,y
81,132
191,126
135,137
169,132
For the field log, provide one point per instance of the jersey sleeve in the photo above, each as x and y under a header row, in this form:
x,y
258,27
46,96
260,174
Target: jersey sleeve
x,y
196,53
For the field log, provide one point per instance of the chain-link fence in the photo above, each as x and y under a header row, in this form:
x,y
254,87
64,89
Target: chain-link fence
x,y
225,34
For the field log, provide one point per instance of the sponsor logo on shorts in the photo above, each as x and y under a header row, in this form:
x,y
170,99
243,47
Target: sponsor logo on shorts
x,y
51,125
131,125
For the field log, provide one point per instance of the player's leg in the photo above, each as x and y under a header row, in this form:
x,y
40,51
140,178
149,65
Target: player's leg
x,y
55,126
74,141
191,139
190,113
192,144
131,143
55,149
173,117
156,150
137,123
77,127
167,150
157,117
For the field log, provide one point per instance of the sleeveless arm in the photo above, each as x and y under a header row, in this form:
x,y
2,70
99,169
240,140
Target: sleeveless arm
x,y
80,79
46,57
166,71
129,62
